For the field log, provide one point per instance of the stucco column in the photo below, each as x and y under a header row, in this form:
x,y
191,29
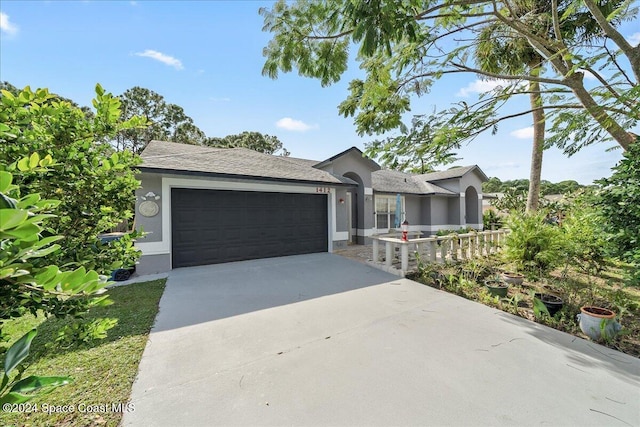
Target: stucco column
x,y
463,210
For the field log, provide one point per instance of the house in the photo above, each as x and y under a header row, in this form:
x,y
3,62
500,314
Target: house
x,y
202,205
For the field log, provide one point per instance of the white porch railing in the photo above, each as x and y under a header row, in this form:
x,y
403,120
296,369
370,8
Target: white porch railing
x,y
438,249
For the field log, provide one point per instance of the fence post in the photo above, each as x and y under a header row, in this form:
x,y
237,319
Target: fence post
x,y
376,250
433,248
388,246
404,254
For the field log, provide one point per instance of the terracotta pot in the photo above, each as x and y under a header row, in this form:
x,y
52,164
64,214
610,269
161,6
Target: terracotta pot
x,y
598,322
513,278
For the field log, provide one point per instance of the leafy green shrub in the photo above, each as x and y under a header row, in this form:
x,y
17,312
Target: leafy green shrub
x,y
28,286
585,240
533,245
94,184
491,220
620,204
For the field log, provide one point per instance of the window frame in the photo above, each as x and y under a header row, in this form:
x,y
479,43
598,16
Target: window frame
x,y
391,200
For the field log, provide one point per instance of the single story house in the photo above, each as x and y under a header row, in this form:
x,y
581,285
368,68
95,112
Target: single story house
x,y
202,205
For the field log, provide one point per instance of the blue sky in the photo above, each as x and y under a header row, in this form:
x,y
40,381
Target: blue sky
x,y
206,56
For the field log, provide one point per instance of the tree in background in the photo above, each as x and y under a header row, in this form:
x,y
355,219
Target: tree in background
x,y
94,184
165,121
495,185
405,46
252,140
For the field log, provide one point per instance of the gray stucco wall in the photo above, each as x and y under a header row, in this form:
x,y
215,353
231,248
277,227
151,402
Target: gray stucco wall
x,y
413,210
455,215
450,184
425,210
342,213
439,210
354,166
153,225
153,264
351,162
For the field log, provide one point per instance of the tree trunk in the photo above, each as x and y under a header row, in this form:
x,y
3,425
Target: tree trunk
x,y
622,137
535,175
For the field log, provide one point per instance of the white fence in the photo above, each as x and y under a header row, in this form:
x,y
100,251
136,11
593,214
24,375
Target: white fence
x,y
440,249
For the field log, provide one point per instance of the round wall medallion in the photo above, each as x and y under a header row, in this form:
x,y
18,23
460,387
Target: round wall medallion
x,y
148,208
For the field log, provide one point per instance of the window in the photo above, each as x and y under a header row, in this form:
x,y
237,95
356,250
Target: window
x,y
386,212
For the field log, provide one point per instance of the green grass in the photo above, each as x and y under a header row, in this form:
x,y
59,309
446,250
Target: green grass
x,y
103,372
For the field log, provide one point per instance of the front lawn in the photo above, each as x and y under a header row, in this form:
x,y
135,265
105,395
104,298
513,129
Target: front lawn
x,y
103,372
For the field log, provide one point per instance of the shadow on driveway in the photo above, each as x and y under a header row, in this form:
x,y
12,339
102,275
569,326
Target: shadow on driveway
x,y
201,294
580,354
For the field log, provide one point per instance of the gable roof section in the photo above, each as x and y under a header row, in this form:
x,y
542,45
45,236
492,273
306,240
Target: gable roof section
x,y
388,181
453,173
372,165
233,162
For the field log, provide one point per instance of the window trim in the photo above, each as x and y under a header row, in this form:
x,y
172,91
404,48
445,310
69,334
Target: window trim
x,y
390,200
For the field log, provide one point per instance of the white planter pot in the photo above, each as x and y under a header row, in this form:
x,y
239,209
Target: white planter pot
x,y
597,322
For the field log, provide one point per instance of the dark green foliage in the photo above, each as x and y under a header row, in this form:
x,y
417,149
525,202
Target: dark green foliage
x,y
619,201
252,140
94,184
491,220
165,121
495,185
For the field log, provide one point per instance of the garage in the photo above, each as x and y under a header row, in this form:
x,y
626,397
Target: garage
x,y
217,226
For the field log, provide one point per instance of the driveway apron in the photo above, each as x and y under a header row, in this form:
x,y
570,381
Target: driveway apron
x,y
323,340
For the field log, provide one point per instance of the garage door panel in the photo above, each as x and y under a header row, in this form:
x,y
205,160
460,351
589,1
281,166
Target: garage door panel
x,y
215,226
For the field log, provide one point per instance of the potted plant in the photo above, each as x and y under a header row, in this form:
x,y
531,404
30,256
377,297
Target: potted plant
x,y
512,277
553,302
496,287
598,322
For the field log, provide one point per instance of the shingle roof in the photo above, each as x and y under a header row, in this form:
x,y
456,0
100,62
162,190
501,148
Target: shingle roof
x,y
231,161
388,181
242,162
451,173
373,165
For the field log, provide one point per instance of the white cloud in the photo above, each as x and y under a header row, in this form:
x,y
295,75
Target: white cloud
x,y
634,39
524,133
288,123
159,56
481,86
7,26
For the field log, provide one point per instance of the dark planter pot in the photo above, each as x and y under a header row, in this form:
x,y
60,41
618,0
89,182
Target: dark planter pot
x,y
497,289
552,302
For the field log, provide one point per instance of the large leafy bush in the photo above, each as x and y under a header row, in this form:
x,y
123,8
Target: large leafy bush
x,y
94,184
533,245
620,204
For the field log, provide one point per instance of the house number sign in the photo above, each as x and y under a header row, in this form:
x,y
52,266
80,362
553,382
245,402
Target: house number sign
x,y
323,190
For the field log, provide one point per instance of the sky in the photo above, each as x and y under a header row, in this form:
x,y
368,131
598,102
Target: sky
x,y
206,56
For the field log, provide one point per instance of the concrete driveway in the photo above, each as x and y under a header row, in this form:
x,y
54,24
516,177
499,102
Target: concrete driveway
x,y
323,340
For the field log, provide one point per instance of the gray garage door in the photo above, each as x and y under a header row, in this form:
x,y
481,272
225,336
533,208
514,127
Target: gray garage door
x,y
215,226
